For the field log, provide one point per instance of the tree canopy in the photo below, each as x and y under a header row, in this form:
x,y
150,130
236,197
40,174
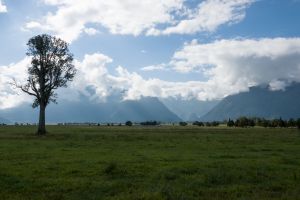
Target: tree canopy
x,y
51,67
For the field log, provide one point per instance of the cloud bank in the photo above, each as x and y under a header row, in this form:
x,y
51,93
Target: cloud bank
x,y
242,62
9,97
231,66
3,8
135,17
235,65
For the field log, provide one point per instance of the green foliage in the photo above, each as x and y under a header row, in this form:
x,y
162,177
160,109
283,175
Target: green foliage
x,y
214,123
244,122
183,124
197,123
128,123
150,123
298,123
166,162
51,68
255,121
292,123
230,123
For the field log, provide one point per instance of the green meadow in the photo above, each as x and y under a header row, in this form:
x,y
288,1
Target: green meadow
x,y
167,162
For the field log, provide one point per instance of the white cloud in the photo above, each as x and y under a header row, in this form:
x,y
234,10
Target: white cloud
x,y
159,67
91,31
210,15
235,65
32,25
9,97
231,66
3,8
137,17
278,85
93,75
119,17
92,72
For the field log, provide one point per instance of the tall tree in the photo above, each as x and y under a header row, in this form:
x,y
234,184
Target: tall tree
x,y
51,68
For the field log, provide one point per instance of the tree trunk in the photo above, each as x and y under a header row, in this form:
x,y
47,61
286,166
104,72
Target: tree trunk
x,y
42,121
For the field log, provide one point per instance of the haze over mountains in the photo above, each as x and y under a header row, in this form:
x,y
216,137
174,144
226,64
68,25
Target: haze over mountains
x,y
257,102
85,110
189,110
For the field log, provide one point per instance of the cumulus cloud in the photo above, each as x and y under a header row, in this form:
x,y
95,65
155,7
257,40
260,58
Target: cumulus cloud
x,y
159,67
94,81
9,97
210,15
231,66
94,76
237,64
32,25
91,31
278,85
137,17
3,8
119,17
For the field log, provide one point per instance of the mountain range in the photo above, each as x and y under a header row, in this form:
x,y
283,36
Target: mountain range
x,y
189,110
257,102
84,110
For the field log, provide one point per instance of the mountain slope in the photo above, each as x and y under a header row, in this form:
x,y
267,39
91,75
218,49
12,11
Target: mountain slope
x,y
144,110
258,102
4,121
189,110
86,111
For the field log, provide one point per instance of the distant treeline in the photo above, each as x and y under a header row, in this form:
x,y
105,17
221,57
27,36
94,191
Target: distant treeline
x,y
157,123
240,122
214,123
150,123
251,122
256,121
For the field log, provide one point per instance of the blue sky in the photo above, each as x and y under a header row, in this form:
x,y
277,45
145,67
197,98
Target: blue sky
x,y
170,50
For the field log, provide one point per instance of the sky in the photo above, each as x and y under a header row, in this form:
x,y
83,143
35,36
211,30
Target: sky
x,y
188,49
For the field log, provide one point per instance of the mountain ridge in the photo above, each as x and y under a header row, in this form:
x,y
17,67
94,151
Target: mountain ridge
x,y
258,102
145,109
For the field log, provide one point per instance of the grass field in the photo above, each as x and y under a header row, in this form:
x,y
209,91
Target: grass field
x,y
149,163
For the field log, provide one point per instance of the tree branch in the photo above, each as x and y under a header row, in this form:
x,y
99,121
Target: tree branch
x,y
23,88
